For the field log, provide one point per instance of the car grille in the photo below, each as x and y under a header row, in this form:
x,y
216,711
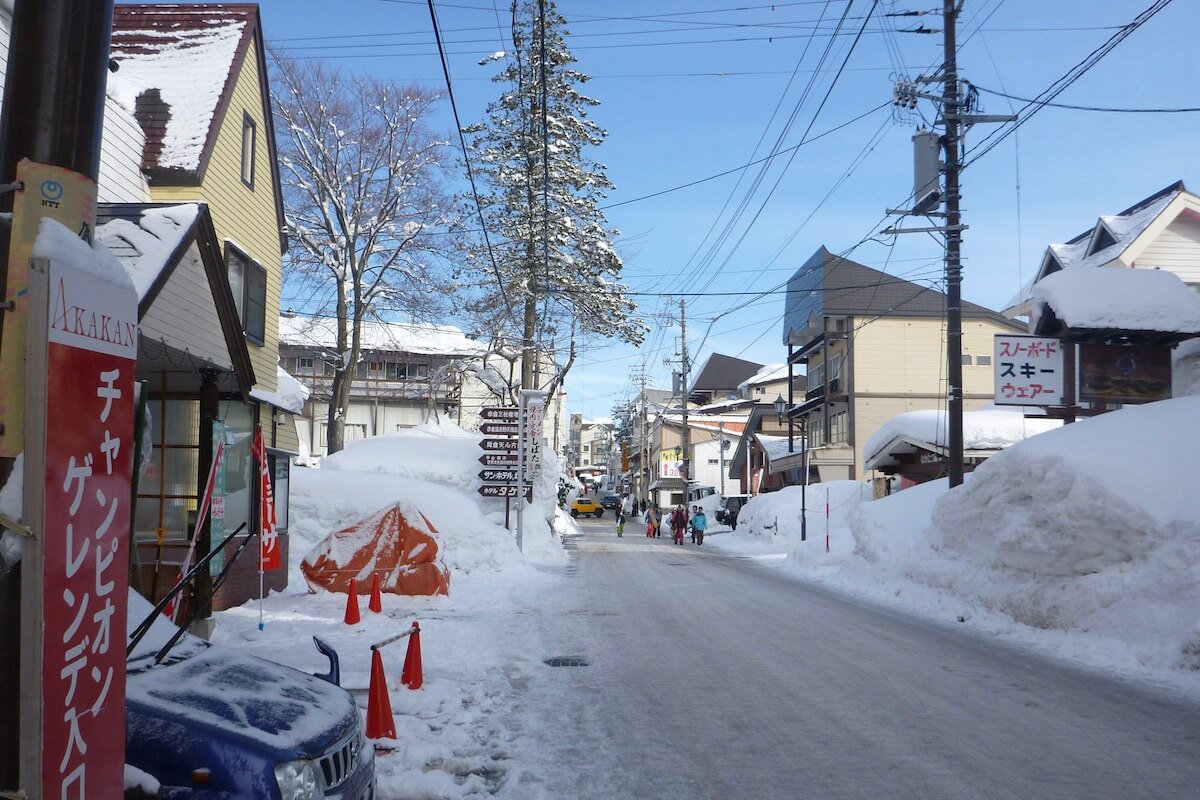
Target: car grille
x,y
338,764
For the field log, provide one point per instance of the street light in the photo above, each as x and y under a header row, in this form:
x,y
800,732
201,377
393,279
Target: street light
x,y
780,407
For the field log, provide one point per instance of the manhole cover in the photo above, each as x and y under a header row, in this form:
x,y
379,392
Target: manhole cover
x,y
567,661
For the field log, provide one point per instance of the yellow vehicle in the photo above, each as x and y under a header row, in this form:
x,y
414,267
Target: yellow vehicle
x,y
586,506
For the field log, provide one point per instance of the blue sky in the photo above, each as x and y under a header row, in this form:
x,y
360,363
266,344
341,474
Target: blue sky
x,y
692,90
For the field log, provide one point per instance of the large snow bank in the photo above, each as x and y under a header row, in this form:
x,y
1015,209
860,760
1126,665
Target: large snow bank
x,y
1078,529
1084,540
434,466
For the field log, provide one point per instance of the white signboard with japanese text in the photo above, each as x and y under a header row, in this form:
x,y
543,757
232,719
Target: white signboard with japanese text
x,y
1028,370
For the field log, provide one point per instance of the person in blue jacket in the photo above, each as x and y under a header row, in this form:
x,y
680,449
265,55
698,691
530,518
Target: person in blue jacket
x,y
699,524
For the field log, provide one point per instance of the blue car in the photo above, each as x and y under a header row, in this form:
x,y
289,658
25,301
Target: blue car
x,y
209,722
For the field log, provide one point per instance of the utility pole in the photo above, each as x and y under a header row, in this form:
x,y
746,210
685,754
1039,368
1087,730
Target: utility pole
x,y
53,114
950,143
956,117
685,435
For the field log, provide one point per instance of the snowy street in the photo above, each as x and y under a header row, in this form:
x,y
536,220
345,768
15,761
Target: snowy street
x,y
711,676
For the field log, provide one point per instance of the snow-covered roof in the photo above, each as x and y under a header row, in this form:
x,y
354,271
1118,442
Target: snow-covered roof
x,y
145,248
776,447
1120,299
989,429
768,374
722,406
1124,228
188,55
381,336
289,393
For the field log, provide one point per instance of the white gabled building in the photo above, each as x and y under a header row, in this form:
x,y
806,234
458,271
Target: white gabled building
x,y
1161,232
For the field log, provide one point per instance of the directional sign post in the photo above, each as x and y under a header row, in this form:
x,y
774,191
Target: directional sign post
x,y
503,490
499,429
499,445
499,475
500,413
498,459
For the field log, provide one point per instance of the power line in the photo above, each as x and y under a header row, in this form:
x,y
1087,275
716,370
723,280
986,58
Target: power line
x,y
1060,85
1086,108
762,160
466,155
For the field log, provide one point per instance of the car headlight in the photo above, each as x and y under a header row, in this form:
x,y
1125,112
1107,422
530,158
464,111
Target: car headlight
x,y
299,780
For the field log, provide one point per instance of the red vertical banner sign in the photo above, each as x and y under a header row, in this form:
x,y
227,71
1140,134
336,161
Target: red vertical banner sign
x,y
91,360
269,557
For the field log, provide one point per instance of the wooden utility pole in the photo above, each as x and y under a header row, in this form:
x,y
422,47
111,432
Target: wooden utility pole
x,y
685,436
950,144
53,114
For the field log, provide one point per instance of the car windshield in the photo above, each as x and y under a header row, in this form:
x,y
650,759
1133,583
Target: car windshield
x,y
162,630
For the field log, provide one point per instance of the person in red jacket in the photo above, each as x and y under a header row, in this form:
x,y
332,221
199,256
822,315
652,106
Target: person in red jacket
x,y
679,521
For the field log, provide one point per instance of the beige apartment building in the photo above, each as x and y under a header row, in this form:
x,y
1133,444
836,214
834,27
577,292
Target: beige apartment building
x,y
873,346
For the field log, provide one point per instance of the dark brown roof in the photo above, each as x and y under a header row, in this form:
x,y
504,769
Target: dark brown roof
x,y
723,373
143,31
839,287
149,30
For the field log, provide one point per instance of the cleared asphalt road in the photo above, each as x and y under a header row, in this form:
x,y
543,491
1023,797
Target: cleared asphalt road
x,y
709,676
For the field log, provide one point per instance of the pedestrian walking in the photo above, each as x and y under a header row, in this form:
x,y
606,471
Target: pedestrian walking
x,y
691,527
679,520
651,523
621,522
699,525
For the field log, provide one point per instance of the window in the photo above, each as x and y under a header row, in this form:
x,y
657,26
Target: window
x,y
248,281
837,426
714,461
411,372
249,137
376,369
966,360
983,361
304,364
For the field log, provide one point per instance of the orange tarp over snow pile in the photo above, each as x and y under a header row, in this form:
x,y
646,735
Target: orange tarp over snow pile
x,y
397,543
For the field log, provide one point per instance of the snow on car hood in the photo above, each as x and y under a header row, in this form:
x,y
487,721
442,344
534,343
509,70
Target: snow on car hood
x,y
239,694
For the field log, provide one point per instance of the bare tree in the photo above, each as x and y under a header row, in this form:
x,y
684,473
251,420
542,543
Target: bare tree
x,y
365,212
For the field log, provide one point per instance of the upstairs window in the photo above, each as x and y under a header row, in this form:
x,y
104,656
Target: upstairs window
x,y
248,280
249,141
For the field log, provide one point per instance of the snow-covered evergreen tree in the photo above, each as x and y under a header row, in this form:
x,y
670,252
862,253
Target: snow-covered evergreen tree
x,y
365,212
552,272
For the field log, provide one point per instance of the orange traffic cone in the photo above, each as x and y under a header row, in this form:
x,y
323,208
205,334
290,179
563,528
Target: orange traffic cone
x,y
352,615
376,603
380,722
411,676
